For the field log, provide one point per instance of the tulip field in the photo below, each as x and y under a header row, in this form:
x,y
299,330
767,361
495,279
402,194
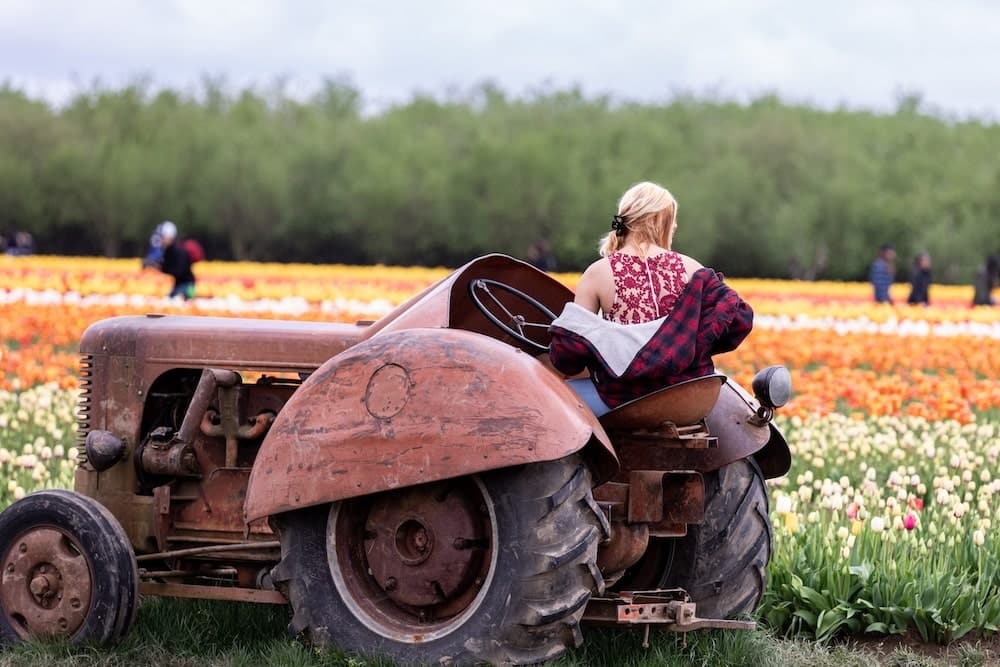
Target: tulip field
x,y
886,524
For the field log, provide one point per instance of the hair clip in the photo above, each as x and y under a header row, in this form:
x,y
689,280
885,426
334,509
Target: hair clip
x,y
618,224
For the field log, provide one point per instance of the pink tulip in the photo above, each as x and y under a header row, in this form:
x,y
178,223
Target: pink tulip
x,y
852,510
909,521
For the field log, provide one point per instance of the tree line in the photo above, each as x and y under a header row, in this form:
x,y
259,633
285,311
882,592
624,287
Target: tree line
x,y
765,188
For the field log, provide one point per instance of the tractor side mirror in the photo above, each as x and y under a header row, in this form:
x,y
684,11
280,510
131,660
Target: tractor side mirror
x,y
772,386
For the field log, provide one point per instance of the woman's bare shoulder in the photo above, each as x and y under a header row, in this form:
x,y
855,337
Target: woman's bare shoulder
x,y
598,268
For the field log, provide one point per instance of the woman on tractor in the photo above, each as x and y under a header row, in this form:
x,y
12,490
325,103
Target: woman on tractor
x,y
664,314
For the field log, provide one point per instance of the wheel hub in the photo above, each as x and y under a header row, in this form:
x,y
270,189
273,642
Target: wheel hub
x,y
414,542
46,585
425,546
414,563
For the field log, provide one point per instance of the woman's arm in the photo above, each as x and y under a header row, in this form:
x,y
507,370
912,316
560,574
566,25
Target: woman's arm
x,y
592,284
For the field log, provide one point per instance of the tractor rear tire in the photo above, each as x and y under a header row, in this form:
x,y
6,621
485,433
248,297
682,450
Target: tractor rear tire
x,y
721,562
68,571
528,573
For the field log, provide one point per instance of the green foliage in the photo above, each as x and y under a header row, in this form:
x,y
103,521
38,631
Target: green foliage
x,y
765,189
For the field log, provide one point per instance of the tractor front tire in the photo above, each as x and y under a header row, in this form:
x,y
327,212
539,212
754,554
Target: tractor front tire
x,y
68,571
494,568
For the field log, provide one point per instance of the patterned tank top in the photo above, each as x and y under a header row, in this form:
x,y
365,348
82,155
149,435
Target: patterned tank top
x,y
633,295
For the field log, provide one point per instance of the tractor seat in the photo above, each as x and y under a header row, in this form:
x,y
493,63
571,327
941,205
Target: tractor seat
x,y
684,403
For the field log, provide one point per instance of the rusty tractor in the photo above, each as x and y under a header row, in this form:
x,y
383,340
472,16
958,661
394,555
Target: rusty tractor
x,y
424,487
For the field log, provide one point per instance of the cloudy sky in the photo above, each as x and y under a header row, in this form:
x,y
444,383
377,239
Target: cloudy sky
x,y
853,52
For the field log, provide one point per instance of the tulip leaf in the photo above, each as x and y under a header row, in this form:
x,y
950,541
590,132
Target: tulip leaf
x,y
807,616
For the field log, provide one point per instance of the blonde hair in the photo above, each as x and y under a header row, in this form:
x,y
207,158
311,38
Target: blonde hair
x,y
648,212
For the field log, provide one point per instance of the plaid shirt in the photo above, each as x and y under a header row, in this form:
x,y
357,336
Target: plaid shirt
x,y
709,318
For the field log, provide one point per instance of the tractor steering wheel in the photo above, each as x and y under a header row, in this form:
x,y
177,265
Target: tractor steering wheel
x,y
509,323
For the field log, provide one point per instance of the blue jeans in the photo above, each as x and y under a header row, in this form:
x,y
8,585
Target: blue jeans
x,y
585,389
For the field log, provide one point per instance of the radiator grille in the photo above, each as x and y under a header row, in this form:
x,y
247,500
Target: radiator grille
x,y
86,390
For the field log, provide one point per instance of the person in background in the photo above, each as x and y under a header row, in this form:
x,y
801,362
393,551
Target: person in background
x,y
540,256
154,255
25,243
987,278
174,261
20,243
920,279
663,315
881,273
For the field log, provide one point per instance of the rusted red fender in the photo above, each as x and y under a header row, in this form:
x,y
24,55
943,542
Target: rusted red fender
x,y
417,406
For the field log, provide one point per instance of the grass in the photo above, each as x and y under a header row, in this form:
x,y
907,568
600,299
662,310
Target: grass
x,y
191,633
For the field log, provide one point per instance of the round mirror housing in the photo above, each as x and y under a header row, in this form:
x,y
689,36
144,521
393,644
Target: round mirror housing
x,y
773,386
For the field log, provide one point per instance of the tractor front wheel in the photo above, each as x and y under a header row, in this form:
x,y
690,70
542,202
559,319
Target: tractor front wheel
x,y
68,571
496,567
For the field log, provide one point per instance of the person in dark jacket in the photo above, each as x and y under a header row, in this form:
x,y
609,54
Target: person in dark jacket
x,y
987,278
882,272
175,262
920,280
663,314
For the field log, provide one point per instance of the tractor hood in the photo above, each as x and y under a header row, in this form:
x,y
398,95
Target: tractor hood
x,y
187,341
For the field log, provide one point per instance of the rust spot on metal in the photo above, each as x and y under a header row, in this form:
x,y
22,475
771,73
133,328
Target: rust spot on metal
x,y
668,609
683,498
645,496
233,593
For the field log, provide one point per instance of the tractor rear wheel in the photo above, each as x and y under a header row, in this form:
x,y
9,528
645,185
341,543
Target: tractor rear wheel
x,y
494,568
68,571
722,562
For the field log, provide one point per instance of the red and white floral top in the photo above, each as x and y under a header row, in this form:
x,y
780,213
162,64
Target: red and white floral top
x,y
633,294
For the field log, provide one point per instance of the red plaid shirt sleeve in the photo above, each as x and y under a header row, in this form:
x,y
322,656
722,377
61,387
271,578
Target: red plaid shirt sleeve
x,y
569,354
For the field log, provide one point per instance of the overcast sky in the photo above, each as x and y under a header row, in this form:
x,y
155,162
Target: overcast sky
x,y
853,52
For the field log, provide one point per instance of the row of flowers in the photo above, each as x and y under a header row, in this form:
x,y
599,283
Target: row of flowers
x,y
89,276
870,373
769,315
